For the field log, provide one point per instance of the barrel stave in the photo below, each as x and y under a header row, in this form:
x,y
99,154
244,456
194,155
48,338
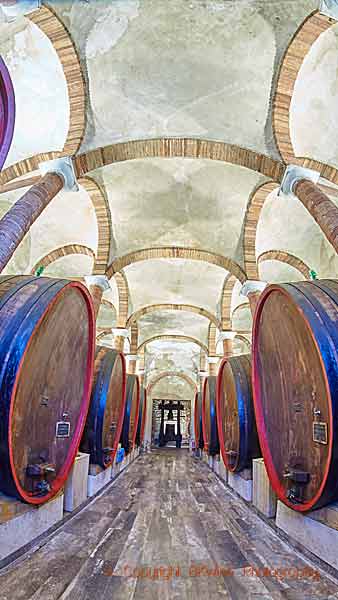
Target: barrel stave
x,y
209,424
295,390
107,406
131,416
42,410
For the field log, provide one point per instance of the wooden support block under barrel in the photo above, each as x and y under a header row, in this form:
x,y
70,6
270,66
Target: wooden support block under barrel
x,y
47,336
21,524
76,488
295,375
317,530
263,496
236,423
131,416
107,407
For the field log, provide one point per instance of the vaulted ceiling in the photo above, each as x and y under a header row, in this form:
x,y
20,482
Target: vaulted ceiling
x,y
203,70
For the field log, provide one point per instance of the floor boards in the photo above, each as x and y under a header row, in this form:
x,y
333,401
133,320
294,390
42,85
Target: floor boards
x,y
166,529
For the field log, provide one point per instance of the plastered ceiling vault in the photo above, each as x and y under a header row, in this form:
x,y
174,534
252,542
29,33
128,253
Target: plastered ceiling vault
x,y
210,70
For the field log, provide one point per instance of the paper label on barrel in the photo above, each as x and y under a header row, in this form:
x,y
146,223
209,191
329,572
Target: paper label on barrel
x,y
62,429
320,433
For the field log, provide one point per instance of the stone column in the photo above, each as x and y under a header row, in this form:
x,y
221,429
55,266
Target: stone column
x,y
252,290
97,285
132,363
213,364
227,338
120,334
303,184
21,216
56,175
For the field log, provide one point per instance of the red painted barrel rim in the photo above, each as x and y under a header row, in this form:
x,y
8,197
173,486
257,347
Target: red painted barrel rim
x,y
123,409
196,418
144,415
204,425
218,415
272,473
60,480
137,410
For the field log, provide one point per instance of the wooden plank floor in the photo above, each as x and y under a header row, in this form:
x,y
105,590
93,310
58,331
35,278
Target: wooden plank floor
x,y
167,510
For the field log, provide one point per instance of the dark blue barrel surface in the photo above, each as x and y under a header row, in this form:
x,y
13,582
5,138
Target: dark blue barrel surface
x,y
209,418
131,415
237,431
295,383
47,336
106,413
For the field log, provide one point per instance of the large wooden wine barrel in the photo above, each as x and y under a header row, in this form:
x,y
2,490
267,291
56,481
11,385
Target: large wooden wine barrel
x,y
47,337
131,415
209,420
295,375
106,413
199,443
236,423
142,417
7,112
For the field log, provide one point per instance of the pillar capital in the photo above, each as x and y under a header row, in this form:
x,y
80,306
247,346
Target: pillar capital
x,y
120,332
293,174
203,373
212,360
132,357
252,286
100,281
19,9
329,8
227,335
64,168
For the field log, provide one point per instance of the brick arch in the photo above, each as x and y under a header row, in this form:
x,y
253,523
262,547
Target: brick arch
x,y
178,147
101,333
306,35
53,28
134,332
251,219
240,307
176,252
109,304
103,217
60,252
151,384
228,287
243,339
286,257
212,341
150,308
173,337
123,296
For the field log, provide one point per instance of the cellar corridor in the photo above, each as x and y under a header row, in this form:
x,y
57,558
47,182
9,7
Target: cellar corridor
x,y
167,528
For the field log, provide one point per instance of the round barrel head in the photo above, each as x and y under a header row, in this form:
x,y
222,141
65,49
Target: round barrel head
x,y
227,416
50,393
292,396
113,410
